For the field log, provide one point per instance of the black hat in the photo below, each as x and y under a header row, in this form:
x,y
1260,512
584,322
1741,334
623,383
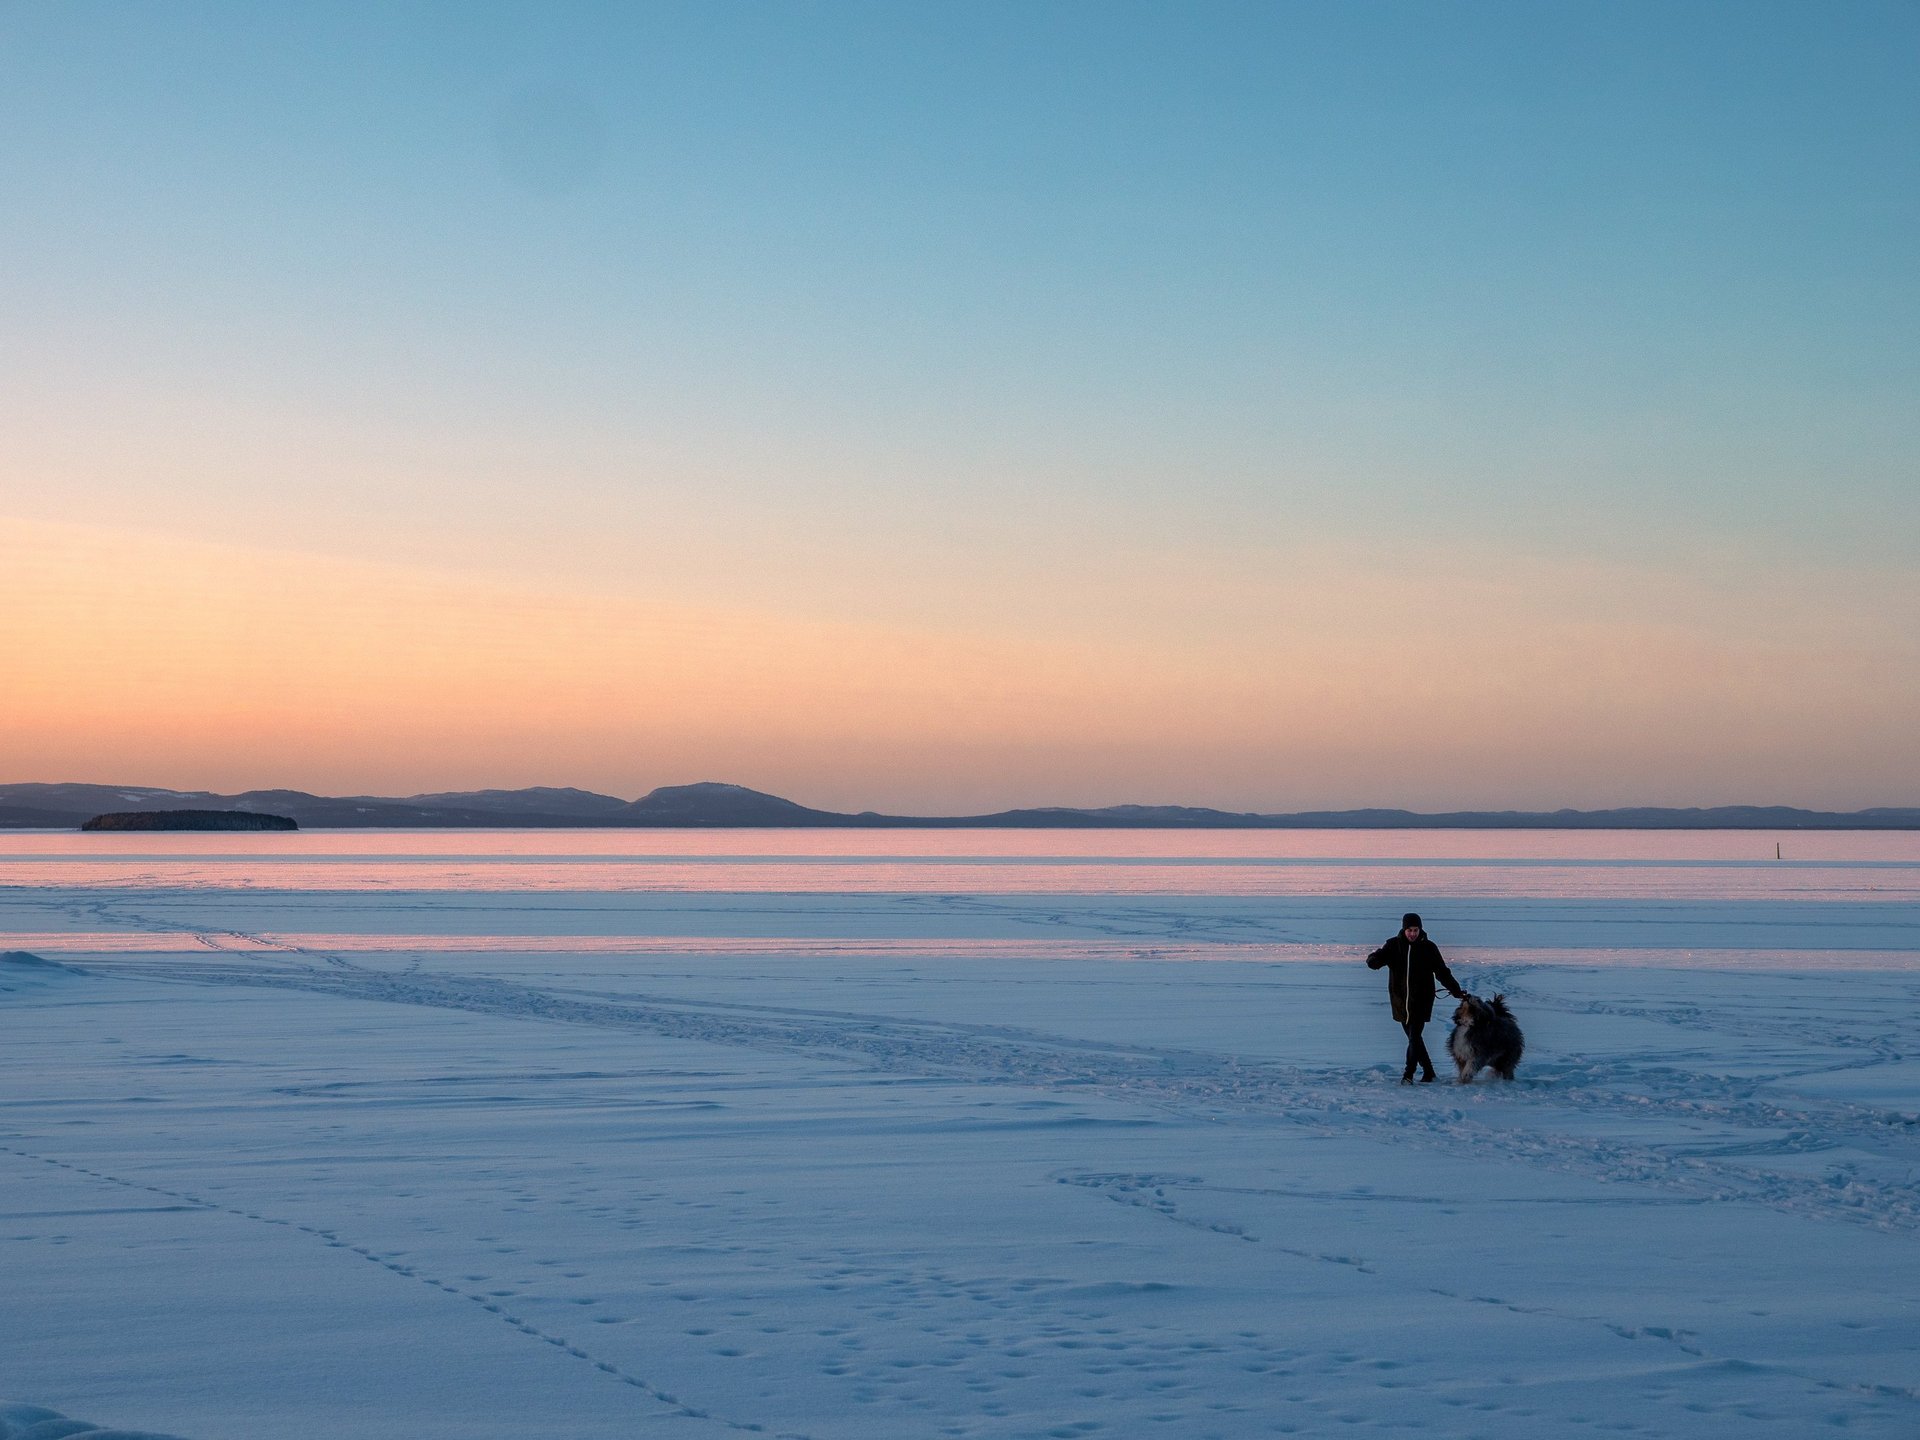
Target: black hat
x,y
1411,919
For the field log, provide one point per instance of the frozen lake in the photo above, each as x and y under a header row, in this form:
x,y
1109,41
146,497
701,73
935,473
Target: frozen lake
x,y
968,1133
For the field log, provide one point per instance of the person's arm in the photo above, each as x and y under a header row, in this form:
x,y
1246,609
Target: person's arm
x,y
1379,957
1445,975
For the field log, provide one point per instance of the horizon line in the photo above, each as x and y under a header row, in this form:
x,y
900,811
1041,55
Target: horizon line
x,y
451,799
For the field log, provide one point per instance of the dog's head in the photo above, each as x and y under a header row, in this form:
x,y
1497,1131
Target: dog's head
x,y
1472,1010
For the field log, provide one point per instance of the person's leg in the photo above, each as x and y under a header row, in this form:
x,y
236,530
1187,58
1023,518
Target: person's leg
x,y
1417,1052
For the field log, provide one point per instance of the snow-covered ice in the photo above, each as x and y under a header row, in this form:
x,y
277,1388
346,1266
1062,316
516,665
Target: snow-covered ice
x,y
892,1135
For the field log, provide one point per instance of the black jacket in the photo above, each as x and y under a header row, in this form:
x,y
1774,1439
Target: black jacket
x,y
1419,963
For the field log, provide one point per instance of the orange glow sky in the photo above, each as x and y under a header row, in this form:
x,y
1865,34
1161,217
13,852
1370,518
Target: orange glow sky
x,y
938,408
141,658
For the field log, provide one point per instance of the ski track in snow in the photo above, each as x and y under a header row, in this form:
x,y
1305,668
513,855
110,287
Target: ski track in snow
x,y
1500,1121
1151,1192
334,1240
413,1273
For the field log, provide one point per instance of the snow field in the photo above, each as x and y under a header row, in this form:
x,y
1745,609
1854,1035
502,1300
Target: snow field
x,y
797,1184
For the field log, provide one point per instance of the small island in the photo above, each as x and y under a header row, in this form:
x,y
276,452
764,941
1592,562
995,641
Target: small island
x,y
190,820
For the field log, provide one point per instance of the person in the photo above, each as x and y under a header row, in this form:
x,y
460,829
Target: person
x,y
1413,962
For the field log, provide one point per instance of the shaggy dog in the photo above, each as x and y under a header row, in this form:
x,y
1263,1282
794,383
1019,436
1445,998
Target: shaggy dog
x,y
1485,1036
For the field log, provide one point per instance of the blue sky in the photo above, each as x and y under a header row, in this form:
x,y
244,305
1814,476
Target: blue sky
x,y
943,316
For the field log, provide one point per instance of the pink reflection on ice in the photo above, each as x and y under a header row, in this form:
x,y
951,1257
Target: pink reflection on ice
x,y
1728,865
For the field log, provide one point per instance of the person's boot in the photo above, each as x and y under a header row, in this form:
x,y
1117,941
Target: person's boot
x,y
1407,1077
1428,1078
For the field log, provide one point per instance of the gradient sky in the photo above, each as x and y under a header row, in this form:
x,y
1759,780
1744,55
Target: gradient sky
x,y
945,406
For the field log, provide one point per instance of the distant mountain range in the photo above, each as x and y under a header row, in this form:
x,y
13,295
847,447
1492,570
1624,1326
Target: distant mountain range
x,y
711,805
